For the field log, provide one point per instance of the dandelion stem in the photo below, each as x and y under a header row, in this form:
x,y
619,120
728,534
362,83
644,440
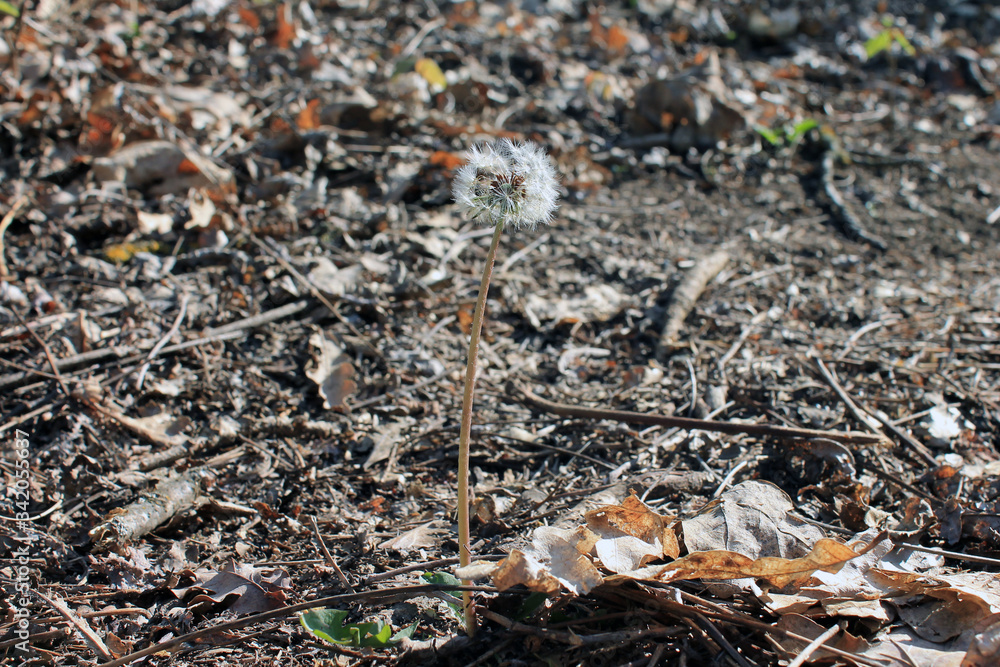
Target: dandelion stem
x,y
464,548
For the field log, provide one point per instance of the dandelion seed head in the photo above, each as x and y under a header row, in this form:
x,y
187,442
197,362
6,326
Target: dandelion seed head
x,y
507,183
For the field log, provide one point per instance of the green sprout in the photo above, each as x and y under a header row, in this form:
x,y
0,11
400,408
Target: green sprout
x,y
789,135
328,624
885,39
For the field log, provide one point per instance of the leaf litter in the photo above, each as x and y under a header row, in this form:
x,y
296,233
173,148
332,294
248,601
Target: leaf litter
x,y
234,295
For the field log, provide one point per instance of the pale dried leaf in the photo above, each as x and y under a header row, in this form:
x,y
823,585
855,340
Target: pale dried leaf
x,y
423,536
751,519
331,370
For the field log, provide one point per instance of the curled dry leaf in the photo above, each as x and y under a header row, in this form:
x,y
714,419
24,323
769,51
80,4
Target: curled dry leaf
x,y
556,557
331,370
161,167
631,535
827,554
250,589
751,519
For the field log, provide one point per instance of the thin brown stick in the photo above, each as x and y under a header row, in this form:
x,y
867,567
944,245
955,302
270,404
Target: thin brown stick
x,y
14,379
261,319
685,296
48,352
907,439
860,415
574,639
720,639
720,613
81,626
164,340
331,561
38,638
849,437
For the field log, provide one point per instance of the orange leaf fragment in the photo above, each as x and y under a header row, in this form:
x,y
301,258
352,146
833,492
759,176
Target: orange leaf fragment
x,y
188,167
519,568
249,17
634,518
286,30
617,39
446,160
308,118
465,319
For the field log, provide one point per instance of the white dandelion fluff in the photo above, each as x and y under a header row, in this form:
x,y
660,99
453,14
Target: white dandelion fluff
x,y
507,183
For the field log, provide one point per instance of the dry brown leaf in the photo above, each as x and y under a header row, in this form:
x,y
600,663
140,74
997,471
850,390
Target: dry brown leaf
x,y
308,118
251,589
161,167
520,568
331,371
626,553
826,554
556,558
633,518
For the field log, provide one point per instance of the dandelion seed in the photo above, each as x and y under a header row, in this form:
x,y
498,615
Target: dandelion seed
x,y
507,183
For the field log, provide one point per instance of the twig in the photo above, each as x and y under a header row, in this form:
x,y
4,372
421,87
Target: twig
x,y
813,646
153,508
859,414
722,614
572,638
38,638
88,634
856,336
425,30
261,319
720,639
729,478
854,437
15,379
684,298
384,596
909,440
163,341
954,555
331,561
48,352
